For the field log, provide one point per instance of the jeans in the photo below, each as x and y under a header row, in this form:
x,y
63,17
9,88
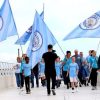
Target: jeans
x,y
18,79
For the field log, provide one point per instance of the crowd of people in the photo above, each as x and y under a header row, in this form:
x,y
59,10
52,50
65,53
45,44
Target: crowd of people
x,y
74,70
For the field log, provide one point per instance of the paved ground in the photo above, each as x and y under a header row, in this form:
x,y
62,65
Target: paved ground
x,y
84,93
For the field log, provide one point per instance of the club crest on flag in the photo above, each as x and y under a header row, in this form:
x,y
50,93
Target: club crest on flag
x,y
91,23
37,41
1,22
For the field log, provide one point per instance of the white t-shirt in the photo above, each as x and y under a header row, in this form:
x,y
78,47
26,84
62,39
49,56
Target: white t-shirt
x,y
17,68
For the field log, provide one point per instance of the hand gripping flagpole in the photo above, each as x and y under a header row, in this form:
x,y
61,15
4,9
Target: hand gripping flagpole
x,y
18,53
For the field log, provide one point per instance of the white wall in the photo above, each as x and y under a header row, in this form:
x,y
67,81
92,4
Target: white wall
x,y
7,76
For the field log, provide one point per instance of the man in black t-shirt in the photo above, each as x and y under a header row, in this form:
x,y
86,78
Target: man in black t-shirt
x,y
50,72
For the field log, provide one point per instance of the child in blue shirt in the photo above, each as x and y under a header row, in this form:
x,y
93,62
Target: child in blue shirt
x,y
58,66
85,72
73,72
65,63
21,70
27,73
42,72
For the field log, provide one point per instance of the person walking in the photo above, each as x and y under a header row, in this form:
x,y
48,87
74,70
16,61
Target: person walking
x,y
41,71
94,70
58,67
50,72
73,73
21,70
66,61
17,72
27,74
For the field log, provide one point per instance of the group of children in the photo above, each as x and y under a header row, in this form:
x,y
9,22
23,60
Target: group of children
x,y
72,73
66,69
23,71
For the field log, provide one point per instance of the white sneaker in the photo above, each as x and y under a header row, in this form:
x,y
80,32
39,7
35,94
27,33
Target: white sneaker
x,y
22,89
18,87
73,90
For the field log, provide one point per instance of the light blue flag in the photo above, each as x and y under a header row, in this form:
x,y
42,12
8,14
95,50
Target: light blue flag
x,y
7,24
25,37
40,38
90,28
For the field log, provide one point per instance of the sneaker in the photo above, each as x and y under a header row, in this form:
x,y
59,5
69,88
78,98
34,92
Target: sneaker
x,y
22,89
37,86
67,87
28,92
18,87
93,88
53,92
80,85
73,90
87,84
32,87
49,93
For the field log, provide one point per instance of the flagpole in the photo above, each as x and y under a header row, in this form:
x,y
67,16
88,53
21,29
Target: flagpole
x,y
18,53
20,45
43,11
59,45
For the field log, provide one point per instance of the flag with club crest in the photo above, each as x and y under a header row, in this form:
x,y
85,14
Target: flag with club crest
x,y
25,37
40,38
90,28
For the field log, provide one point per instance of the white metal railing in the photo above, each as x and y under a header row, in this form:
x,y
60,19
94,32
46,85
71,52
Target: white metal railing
x,y
7,78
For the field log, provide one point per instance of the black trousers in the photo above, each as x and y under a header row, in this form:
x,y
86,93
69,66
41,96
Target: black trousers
x,y
66,78
22,79
27,83
80,77
50,75
36,76
93,77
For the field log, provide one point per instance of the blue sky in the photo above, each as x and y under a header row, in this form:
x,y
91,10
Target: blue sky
x,y
61,16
